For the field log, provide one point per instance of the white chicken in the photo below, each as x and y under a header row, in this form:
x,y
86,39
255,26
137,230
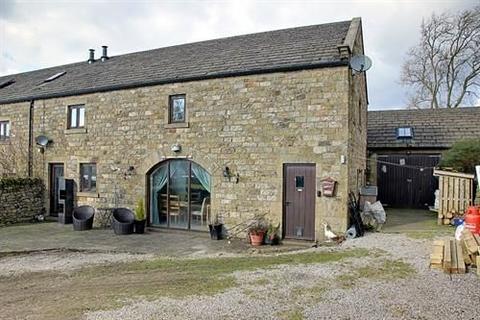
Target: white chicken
x,y
332,236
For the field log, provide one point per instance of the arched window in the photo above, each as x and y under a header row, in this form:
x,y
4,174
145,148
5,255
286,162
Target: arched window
x,y
179,195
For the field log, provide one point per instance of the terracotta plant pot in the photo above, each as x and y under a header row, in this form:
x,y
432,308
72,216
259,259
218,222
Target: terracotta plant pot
x,y
256,239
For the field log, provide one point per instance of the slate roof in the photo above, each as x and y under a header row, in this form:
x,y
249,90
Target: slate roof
x,y
281,50
438,128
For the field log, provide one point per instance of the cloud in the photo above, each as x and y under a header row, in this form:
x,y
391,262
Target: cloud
x,y
35,35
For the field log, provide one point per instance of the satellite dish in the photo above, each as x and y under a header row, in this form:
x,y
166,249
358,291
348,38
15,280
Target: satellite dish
x,y
360,63
42,141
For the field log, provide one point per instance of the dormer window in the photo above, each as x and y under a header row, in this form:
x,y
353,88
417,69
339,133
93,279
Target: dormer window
x,y
404,133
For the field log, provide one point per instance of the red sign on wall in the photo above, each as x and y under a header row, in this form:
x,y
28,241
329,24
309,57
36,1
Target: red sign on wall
x,y
328,186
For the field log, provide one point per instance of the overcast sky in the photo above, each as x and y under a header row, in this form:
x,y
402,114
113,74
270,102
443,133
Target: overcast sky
x,y
39,34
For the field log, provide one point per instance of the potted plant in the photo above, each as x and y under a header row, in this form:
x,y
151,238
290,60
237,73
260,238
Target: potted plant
x,y
256,232
272,237
216,228
140,217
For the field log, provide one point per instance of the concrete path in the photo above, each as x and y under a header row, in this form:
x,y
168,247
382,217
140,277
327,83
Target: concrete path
x,y
51,235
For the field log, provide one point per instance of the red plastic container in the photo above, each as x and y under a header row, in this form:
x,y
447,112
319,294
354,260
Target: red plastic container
x,y
472,219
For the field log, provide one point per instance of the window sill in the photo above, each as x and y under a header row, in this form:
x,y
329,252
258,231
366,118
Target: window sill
x,y
4,140
177,125
88,195
75,130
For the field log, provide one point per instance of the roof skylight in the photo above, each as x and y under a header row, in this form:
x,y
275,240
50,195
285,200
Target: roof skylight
x,y
55,76
6,83
404,133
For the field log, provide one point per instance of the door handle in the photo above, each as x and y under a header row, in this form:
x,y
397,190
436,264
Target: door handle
x,y
287,203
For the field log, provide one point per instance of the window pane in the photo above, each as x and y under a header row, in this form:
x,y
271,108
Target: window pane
x,y
178,197
81,117
159,192
73,117
200,186
299,182
2,129
178,109
7,129
88,177
93,179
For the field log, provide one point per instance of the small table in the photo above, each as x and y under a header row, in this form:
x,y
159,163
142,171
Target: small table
x,y
103,217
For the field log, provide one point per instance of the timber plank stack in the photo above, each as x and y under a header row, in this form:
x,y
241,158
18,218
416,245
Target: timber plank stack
x,y
455,256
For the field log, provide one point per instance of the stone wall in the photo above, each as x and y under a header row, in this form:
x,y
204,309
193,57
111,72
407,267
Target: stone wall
x,y
357,124
14,151
252,124
20,199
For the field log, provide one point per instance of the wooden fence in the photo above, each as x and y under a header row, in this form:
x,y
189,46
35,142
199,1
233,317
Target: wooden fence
x,y
455,193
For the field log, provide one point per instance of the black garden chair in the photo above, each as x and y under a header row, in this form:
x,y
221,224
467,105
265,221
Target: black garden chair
x,y
83,218
123,221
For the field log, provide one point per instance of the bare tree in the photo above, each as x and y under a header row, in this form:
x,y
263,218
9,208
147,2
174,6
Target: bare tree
x,y
443,70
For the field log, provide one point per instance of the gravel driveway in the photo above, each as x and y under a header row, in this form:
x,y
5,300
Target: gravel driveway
x,y
391,280
330,291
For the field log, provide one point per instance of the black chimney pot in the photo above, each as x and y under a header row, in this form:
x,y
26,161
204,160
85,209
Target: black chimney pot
x,y
104,53
91,58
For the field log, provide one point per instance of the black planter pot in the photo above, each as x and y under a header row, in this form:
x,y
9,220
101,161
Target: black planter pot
x,y
140,226
216,231
275,241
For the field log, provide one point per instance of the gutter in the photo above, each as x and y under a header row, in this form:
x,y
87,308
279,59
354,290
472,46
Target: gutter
x,y
30,138
288,68
410,148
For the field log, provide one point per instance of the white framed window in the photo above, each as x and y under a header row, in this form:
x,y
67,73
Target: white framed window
x,y
76,116
88,177
4,130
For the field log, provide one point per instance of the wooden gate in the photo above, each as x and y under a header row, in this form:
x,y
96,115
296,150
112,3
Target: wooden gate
x,y
406,180
455,192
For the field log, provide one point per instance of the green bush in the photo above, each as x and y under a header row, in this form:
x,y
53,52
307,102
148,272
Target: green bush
x,y
140,211
18,183
463,156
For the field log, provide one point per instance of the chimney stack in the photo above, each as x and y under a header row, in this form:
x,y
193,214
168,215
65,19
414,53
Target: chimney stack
x,y
91,58
104,53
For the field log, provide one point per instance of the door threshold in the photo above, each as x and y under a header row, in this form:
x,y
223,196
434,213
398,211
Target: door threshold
x,y
305,242
173,230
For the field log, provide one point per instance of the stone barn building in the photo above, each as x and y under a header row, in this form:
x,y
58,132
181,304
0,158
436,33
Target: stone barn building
x,y
233,128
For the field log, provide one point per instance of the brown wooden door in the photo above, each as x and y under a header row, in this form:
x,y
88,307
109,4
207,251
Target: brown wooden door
x,y
299,201
56,172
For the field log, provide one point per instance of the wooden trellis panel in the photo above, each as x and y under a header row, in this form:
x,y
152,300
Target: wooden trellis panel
x,y
456,192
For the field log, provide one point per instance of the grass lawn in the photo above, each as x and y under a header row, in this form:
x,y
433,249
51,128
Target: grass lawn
x,y
417,224
52,295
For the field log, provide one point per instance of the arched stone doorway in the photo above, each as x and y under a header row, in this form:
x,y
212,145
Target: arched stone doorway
x,y
179,192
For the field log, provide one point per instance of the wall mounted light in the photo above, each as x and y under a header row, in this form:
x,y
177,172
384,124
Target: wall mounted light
x,y
129,172
228,175
176,148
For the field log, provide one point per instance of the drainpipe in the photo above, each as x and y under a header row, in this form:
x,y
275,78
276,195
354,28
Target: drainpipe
x,y
30,139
